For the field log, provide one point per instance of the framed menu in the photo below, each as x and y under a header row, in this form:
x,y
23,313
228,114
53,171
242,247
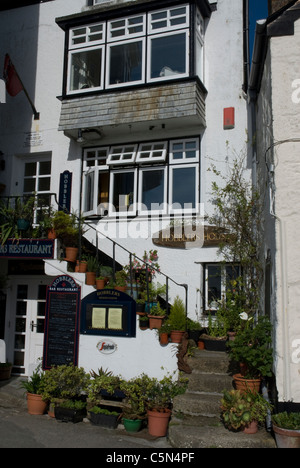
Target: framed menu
x,y
62,321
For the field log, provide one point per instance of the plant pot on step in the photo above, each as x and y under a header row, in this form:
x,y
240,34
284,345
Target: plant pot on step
x,y
132,425
251,428
214,344
100,283
176,336
164,338
5,371
155,321
90,278
82,266
286,438
35,404
244,385
158,422
71,254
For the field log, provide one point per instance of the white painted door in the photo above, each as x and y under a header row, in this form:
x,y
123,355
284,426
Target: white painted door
x,y
26,323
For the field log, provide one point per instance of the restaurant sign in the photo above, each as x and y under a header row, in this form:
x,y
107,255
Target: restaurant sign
x,y
187,237
27,249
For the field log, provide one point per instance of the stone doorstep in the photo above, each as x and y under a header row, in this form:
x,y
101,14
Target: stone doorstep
x,y
198,404
208,382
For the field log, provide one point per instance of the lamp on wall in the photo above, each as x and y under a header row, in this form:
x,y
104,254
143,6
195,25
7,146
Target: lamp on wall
x,y
80,138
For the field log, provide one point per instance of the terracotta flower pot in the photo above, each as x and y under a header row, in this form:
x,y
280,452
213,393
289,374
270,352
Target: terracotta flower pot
x,y
176,336
164,338
71,254
82,267
244,385
155,321
90,278
251,428
121,288
100,283
51,234
286,438
158,422
201,344
35,404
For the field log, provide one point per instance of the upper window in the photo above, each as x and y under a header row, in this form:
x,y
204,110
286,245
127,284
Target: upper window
x,y
143,48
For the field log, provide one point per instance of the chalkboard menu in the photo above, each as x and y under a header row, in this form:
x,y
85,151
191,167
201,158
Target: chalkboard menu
x,y
62,323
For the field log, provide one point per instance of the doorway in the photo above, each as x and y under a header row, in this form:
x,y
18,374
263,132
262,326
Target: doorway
x,y
25,322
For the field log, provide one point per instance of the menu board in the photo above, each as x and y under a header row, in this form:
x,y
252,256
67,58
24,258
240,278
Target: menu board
x,y
62,323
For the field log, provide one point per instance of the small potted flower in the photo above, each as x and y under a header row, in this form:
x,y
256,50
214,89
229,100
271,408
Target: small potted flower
x,y
156,316
36,405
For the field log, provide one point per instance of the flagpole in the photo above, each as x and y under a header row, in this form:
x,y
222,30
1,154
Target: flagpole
x,y
35,113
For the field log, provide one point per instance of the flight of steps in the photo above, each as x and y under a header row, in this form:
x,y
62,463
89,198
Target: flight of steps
x,y
196,419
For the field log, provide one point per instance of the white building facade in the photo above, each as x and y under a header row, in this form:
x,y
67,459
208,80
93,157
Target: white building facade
x,y
274,85
136,100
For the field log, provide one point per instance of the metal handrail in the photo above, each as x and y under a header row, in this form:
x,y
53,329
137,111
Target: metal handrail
x,y
147,266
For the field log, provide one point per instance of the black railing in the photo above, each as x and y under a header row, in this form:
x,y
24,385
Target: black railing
x,y
42,205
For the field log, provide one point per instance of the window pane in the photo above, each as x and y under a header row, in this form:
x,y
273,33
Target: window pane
x,y
153,188
44,184
214,284
30,169
184,186
123,191
89,192
29,185
126,63
86,69
45,168
168,55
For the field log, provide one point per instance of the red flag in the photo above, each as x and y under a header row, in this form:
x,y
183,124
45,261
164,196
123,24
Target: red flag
x,y
13,83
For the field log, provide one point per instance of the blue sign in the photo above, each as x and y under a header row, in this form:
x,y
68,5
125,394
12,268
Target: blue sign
x,y
65,190
28,249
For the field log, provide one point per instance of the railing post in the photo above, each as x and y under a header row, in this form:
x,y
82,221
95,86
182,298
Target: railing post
x,y
167,295
114,261
130,266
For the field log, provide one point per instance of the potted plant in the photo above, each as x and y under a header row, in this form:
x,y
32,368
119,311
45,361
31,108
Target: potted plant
x,y
14,220
68,228
151,294
70,411
194,329
33,386
25,212
5,370
244,411
164,333
160,395
140,306
144,322
105,385
104,417
121,281
92,269
252,348
286,427
156,316
216,333
101,282
177,320
134,409
64,385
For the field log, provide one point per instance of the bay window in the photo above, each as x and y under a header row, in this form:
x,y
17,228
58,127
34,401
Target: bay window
x,y
144,48
159,177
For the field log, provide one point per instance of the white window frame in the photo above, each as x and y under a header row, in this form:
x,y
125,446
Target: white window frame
x,y
127,26
95,169
168,26
85,90
163,209
223,281
133,210
121,153
184,159
182,209
108,58
149,54
88,35
152,158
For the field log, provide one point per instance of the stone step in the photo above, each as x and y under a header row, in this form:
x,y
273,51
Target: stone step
x,y
198,404
207,382
211,361
216,436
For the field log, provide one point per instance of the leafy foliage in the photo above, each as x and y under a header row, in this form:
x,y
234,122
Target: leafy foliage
x,y
66,382
287,420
